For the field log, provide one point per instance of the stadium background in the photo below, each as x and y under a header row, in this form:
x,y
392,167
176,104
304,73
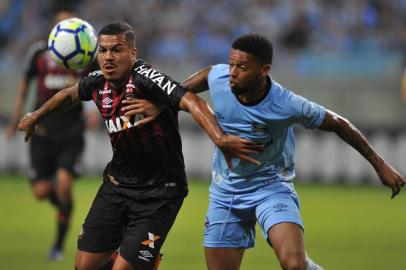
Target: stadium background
x,y
346,55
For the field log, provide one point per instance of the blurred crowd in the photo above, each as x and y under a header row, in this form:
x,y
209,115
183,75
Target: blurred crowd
x,y
173,31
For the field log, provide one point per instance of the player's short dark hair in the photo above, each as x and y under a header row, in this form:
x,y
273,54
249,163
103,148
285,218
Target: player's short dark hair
x,y
119,28
257,45
66,5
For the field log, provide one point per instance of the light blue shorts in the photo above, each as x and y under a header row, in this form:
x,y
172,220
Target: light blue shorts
x,y
231,219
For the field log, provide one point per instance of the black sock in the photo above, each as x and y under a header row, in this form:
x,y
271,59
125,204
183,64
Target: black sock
x,y
53,199
63,220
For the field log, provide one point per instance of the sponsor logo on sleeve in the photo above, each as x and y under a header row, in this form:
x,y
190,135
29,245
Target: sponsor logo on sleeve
x,y
158,78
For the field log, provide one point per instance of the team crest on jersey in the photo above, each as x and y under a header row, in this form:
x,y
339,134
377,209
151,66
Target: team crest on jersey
x,y
259,129
309,110
121,123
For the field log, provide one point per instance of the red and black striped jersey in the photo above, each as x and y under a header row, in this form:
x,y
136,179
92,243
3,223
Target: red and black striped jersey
x,y
147,161
51,78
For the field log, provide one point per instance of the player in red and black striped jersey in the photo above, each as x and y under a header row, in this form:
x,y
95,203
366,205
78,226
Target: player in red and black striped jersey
x,y
58,142
147,162
144,183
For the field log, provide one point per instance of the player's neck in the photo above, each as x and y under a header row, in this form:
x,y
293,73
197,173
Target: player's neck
x,y
119,85
256,94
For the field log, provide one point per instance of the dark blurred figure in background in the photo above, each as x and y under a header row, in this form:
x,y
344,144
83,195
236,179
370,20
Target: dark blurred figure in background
x,y
57,145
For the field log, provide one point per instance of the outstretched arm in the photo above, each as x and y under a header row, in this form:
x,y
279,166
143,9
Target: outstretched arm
x,y
62,101
230,145
351,135
198,82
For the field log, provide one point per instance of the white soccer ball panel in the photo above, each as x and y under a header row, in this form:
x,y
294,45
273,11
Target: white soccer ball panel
x,y
65,43
76,62
63,47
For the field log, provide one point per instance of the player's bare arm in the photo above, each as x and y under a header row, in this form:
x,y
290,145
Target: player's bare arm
x,y
231,146
350,134
60,102
197,82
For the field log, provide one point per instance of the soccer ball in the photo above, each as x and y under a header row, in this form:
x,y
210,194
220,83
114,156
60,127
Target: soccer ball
x,y
73,43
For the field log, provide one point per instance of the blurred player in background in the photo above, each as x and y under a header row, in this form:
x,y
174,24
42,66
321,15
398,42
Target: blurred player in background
x,y
58,142
145,182
249,103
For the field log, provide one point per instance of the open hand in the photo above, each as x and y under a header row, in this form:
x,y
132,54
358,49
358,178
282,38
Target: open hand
x,y
141,106
235,147
27,124
391,178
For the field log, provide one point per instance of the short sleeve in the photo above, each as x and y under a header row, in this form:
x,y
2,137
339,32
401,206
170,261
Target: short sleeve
x,y
307,113
216,72
30,66
87,85
159,85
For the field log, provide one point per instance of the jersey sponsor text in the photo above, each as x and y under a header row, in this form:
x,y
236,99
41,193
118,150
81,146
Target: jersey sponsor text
x,y
157,78
121,123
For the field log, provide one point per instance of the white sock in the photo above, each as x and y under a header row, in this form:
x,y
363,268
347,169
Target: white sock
x,y
312,266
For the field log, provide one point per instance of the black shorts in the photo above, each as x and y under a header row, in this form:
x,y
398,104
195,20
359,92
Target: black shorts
x,y
138,228
47,155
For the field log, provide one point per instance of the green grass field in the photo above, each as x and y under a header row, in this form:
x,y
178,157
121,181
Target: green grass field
x,y
346,228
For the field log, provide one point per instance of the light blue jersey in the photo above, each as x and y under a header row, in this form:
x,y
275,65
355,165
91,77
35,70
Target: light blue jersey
x,y
247,193
268,122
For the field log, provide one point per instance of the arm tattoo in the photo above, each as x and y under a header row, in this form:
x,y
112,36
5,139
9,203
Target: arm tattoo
x,y
197,82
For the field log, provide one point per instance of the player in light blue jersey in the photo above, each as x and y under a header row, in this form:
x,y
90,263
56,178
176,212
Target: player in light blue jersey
x,y
250,104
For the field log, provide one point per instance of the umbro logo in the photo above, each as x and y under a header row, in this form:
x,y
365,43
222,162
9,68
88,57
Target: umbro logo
x,y
145,254
107,102
280,207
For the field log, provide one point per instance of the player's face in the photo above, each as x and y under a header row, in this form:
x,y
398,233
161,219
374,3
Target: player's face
x,y
116,57
246,74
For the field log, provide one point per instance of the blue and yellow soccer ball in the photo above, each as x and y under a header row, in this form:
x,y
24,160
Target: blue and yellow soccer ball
x,y
73,43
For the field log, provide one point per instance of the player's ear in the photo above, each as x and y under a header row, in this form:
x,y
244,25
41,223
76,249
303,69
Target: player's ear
x,y
265,69
134,54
